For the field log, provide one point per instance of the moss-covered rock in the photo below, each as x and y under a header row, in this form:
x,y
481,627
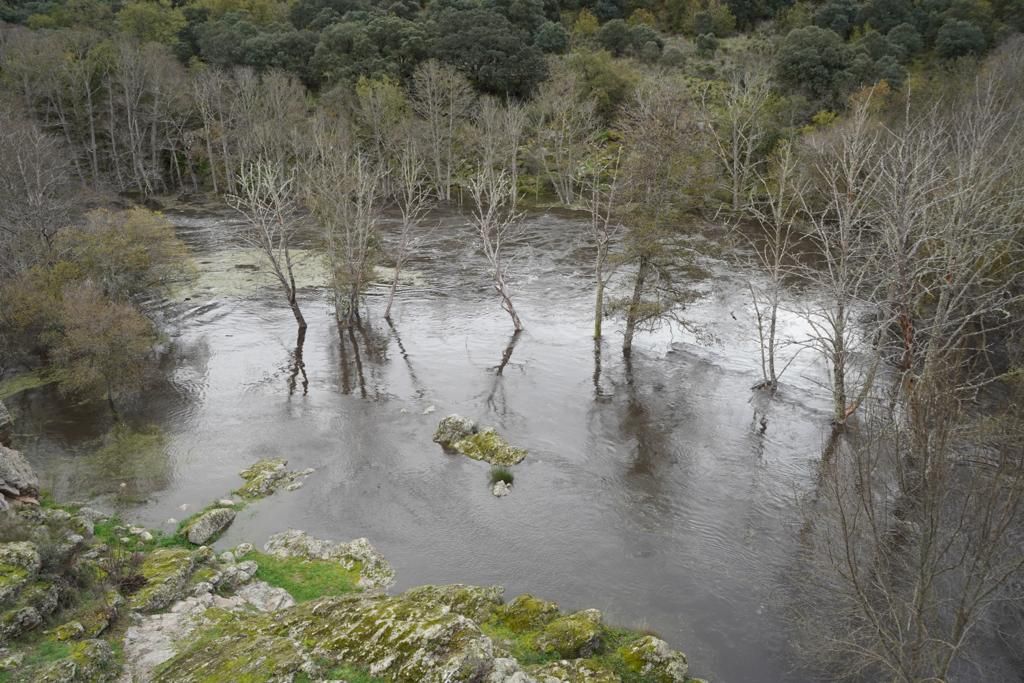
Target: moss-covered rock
x,y
19,564
35,603
489,446
90,661
574,671
167,573
72,630
358,555
462,435
575,635
417,636
654,660
266,476
209,525
473,602
527,613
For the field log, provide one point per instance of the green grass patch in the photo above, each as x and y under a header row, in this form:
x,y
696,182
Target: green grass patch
x,y
347,673
305,579
24,382
502,474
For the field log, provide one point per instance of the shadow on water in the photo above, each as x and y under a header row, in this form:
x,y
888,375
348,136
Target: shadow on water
x,y
649,491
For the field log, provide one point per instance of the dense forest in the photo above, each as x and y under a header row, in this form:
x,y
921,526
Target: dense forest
x,y
868,155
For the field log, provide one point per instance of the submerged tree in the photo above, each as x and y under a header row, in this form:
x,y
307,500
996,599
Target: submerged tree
x,y
266,199
600,189
497,221
344,190
414,200
777,211
664,173
103,345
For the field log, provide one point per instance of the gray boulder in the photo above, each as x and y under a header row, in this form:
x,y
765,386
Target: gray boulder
x,y
6,425
17,479
209,525
452,429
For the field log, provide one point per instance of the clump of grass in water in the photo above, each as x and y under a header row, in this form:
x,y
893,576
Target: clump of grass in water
x,y
502,474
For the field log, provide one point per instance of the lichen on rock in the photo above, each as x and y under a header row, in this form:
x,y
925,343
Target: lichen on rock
x,y
453,428
90,661
462,435
574,635
19,564
417,636
266,476
167,571
208,525
655,661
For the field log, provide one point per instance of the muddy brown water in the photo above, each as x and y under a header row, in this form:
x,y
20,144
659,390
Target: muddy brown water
x,y
652,492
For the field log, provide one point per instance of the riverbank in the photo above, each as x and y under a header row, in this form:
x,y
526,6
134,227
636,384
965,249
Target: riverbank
x,y
85,596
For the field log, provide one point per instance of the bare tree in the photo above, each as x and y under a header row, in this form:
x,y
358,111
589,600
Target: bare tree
x,y
266,199
736,113
442,97
600,187
497,221
777,211
36,193
565,125
839,209
499,128
344,190
897,586
414,200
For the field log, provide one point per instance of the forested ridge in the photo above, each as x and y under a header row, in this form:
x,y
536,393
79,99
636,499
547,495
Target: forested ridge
x,y
861,162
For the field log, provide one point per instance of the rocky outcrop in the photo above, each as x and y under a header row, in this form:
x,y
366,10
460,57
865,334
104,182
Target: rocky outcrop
x,y
573,636
167,572
462,435
208,525
90,661
17,479
655,661
6,425
19,565
357,555
424,635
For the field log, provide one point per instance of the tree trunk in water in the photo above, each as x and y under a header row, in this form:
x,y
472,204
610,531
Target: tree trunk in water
x,y
506,305
391,294
839,369
598,294
634,306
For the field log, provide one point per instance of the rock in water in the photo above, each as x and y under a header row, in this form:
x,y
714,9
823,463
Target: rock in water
x,y
209,525
6,425
453,428
267,476
462,435
16,476
501,489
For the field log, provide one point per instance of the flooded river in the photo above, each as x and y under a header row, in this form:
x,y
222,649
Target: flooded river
x,y
663,491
